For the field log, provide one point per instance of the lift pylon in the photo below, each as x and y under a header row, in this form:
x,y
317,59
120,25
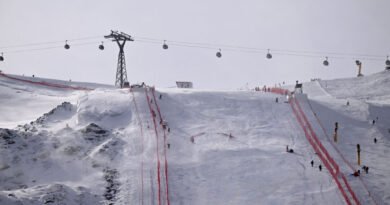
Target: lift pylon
x,y
120,39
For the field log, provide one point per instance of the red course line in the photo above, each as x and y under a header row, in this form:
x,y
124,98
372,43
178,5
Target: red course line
x,y
332,162
316,149
158,155
165,152
338,151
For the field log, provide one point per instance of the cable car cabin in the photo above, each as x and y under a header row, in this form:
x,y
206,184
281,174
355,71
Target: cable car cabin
x,y
298,88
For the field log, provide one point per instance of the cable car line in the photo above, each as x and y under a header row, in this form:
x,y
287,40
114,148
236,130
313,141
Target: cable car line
x,y
214,46
50,47
278,52
50,42
211,46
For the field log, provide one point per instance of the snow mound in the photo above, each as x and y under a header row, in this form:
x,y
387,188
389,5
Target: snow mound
x,y
372,87
105,107
61,112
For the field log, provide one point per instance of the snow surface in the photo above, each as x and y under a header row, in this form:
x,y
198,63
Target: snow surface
x,y
62,146
369,99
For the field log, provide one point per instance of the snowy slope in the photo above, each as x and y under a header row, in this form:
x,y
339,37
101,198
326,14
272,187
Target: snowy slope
x,y
368,99
23,99
108,146
372,88
251,168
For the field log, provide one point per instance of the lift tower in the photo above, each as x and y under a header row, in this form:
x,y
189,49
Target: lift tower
x,y
120,39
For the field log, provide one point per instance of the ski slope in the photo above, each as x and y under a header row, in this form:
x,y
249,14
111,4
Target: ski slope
x,y
103,145
369,100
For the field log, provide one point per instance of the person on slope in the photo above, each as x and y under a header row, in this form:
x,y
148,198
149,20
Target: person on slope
x,y
365,168
356,173
289,150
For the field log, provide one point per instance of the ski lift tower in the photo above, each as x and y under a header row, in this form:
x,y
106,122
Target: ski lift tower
x,y
120,39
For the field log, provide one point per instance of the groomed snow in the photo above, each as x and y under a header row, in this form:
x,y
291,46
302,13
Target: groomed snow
x,y
99,146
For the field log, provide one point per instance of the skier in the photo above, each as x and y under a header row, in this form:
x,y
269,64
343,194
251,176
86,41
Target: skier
x,y
375,140
312,163
347,103
373,122
320,167
289,150
169,145
277,100
365,168
160,96
192,139
356,173
169,129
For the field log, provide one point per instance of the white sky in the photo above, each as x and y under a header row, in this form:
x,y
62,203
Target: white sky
x,y
343,26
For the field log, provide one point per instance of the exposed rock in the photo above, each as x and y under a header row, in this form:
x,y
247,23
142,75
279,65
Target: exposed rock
x,y
64,107
112,187
8,136
94,132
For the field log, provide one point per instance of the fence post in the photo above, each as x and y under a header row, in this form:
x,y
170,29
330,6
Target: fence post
x,y
336,127
358,154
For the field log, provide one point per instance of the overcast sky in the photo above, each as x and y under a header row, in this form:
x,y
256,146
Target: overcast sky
x,y
342,26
